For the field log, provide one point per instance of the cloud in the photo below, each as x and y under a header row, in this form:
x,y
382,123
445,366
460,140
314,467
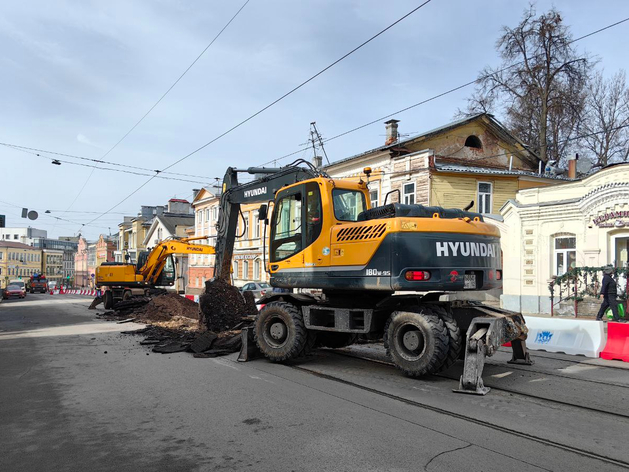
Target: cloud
x,y
85,140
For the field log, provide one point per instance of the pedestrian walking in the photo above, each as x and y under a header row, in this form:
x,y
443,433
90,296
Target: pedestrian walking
x,y
609,292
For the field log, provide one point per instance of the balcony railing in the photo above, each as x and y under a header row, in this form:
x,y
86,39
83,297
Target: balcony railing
x,y
579,283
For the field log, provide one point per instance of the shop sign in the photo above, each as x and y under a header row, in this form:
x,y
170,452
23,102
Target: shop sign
x,y
246,256
613,219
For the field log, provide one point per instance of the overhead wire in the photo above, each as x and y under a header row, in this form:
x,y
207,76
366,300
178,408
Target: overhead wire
x,y
98,161
434,97
108,169
156,103
178,79
274,102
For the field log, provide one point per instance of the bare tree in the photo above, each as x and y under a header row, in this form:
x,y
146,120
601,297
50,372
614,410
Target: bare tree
x,y
606,119
539,84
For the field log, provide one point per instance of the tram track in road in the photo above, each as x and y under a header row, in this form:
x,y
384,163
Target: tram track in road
x,y
495,427
504,389
542,355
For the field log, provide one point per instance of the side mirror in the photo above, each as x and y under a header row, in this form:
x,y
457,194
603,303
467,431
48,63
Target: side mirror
x,y
262,212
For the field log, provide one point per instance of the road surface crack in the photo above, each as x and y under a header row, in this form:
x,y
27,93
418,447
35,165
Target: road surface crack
x,y
445,452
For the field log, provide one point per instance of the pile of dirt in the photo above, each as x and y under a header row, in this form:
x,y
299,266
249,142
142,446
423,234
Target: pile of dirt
x,y
222,306
159,308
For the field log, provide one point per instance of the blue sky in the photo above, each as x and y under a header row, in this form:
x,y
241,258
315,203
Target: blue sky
x,y
76,75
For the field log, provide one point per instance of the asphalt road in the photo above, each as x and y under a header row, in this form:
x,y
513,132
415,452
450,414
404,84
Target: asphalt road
x,y
76,395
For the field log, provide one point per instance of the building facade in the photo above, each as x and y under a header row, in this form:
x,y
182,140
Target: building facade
x,y
201,266
472,161
18,261
52,265
105,248
22,235
67,246
550,230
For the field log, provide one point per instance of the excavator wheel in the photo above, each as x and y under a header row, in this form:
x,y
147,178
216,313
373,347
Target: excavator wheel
x,y
280,332
455,336
335,340
108,300
417,342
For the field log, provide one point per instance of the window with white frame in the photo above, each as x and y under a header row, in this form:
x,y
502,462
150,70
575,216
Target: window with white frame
x,y
245,270
256,225
484,197
236,269
408,194
565,254
246,223
373,197
214,213
256,269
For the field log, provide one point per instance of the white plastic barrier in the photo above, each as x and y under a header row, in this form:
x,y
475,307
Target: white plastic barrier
x,y
576,337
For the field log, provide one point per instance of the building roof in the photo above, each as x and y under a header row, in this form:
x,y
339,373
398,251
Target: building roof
x,y
494,124
171,222
449,167
179,200
13,245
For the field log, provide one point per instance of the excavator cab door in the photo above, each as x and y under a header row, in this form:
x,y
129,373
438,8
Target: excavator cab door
x,y
167,277
296,222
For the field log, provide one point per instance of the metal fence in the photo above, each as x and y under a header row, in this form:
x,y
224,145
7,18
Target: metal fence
x,y
581,282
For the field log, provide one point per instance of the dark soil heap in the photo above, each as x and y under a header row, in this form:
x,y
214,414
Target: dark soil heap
x,y
223,306
158,308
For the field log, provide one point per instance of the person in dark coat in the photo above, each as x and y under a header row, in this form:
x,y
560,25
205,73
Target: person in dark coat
x,y
609,293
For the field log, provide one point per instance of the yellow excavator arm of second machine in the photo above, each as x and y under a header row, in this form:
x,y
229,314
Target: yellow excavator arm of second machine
x,y
158,256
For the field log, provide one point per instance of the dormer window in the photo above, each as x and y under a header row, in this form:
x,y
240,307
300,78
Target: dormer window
x,y
473,142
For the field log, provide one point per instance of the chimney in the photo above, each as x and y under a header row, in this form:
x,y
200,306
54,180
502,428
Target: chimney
x,y
195,192
572,167
317,161
391,127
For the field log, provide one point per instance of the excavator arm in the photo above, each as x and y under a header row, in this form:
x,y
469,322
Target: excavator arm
x,y
158,256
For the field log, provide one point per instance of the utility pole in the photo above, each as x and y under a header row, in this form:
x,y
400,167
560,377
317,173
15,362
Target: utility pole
x,y
315,138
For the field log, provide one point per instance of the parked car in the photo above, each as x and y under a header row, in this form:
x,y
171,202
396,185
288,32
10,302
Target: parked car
x,y
14,291
19,283
258,288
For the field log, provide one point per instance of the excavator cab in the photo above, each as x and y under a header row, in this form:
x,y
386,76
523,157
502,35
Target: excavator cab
x,y
167,276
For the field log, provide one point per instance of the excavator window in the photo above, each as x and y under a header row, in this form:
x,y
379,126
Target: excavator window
x,y
348,204
297,221
167,277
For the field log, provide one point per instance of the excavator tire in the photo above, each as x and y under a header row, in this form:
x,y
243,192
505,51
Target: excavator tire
x,y
108,300
280,332
454,333
335,340
417,342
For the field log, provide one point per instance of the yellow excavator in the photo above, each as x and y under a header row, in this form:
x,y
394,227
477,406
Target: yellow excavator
x,y
155,268
382,272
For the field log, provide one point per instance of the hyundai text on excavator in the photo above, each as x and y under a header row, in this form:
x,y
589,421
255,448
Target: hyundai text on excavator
x,y
154,268
377,272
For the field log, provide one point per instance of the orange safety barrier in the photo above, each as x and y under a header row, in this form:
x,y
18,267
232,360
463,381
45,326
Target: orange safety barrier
x,y
617,347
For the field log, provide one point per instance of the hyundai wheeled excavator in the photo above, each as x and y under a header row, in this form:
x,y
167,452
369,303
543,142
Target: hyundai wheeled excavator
x,y
379,272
